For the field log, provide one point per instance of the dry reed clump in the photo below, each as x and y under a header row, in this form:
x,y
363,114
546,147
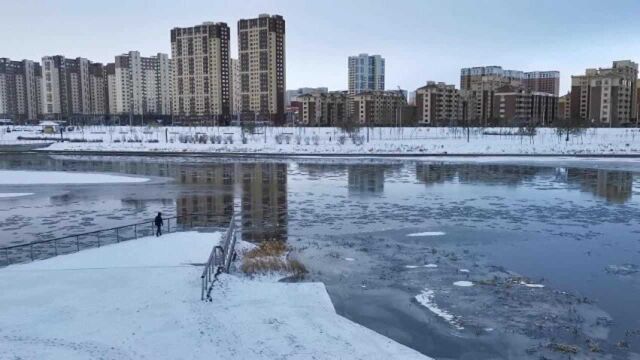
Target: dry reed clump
x,y
269,257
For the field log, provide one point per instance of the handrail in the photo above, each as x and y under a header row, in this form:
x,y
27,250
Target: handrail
x,y
25,252
219,261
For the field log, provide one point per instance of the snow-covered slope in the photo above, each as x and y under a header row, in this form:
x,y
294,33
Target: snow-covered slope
x,y
141,300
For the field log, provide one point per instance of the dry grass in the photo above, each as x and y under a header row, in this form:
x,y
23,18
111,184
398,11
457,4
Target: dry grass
x,y
269,257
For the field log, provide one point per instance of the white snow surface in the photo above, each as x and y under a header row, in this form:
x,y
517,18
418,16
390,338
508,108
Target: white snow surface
x,y
463,283
426,299
141,300
427,233
19,177
370,141
13,195
535,286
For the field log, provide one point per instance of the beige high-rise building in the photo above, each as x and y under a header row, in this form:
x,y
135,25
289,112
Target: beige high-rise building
x,y
564,107
142,84
438,104
235,86
323,109
606,97
201,74
67,88
261,45
20,97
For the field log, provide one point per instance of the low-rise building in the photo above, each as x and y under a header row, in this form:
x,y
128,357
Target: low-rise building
x,y
322,109
379,108
438,104
519,107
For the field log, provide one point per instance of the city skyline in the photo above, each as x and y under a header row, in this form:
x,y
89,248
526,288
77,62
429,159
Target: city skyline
x,y
529,36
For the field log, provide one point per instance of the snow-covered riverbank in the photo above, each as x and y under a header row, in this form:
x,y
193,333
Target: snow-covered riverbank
x,y
141,299
20,177
318,141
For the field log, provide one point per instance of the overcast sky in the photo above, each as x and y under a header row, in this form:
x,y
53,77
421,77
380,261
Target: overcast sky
x,y
420,39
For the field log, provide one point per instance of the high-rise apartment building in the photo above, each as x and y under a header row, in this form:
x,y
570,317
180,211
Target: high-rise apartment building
x,y
142,84
515,106
323,109
20,97
542,81
261,45
478,86
110,79
235,86
366,73
437,104
379,107
99,95
67,88
201,72
606,96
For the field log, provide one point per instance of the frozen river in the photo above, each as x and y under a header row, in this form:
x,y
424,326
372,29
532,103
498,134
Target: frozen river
x,y
511,260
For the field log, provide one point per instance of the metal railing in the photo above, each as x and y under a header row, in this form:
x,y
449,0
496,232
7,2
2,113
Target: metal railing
x,y
219,261
44,249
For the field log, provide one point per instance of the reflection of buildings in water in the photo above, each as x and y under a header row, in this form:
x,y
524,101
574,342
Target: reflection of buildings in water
x,y
140,204
366,178
317,170
615,186
435,173
497,174
212,209
264,201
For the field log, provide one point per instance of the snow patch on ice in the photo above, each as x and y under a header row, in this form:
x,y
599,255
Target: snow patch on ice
x,y
463,283
427,233
13,195
349,259
466,271
17,177
425,298
538,286
431,266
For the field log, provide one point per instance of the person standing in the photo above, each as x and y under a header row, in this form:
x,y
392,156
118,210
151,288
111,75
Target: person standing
x,y
159,224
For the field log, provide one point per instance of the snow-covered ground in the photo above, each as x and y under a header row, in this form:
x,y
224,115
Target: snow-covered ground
x,y
13,195
370,141
141,300
18,177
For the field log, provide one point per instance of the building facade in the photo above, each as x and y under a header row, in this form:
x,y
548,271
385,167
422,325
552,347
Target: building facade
x,y
234,69
322,109
521,107
379,108
292,95
67,89
478,86
20,90
438,104
261,47
606,96
142,84
366,73
201,72
564,107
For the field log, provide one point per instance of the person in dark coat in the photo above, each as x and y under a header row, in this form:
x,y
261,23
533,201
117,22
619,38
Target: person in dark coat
x,y
159,224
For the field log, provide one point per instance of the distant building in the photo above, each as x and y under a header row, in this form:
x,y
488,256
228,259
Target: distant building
x,y
519,107
366,73
201,73
606,97
478,86
234,71
379,108
438,104
564,107
542,81
142,84
322,109
110,78
292,95
70,89
261,45
20,90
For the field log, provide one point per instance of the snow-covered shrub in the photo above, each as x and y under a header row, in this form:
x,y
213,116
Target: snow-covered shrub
x,y
298,139
228,139
307,141
342,139
316,139
279,139
357,140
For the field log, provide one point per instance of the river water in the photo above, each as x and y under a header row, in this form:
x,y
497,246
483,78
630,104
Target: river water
x,y
551,248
